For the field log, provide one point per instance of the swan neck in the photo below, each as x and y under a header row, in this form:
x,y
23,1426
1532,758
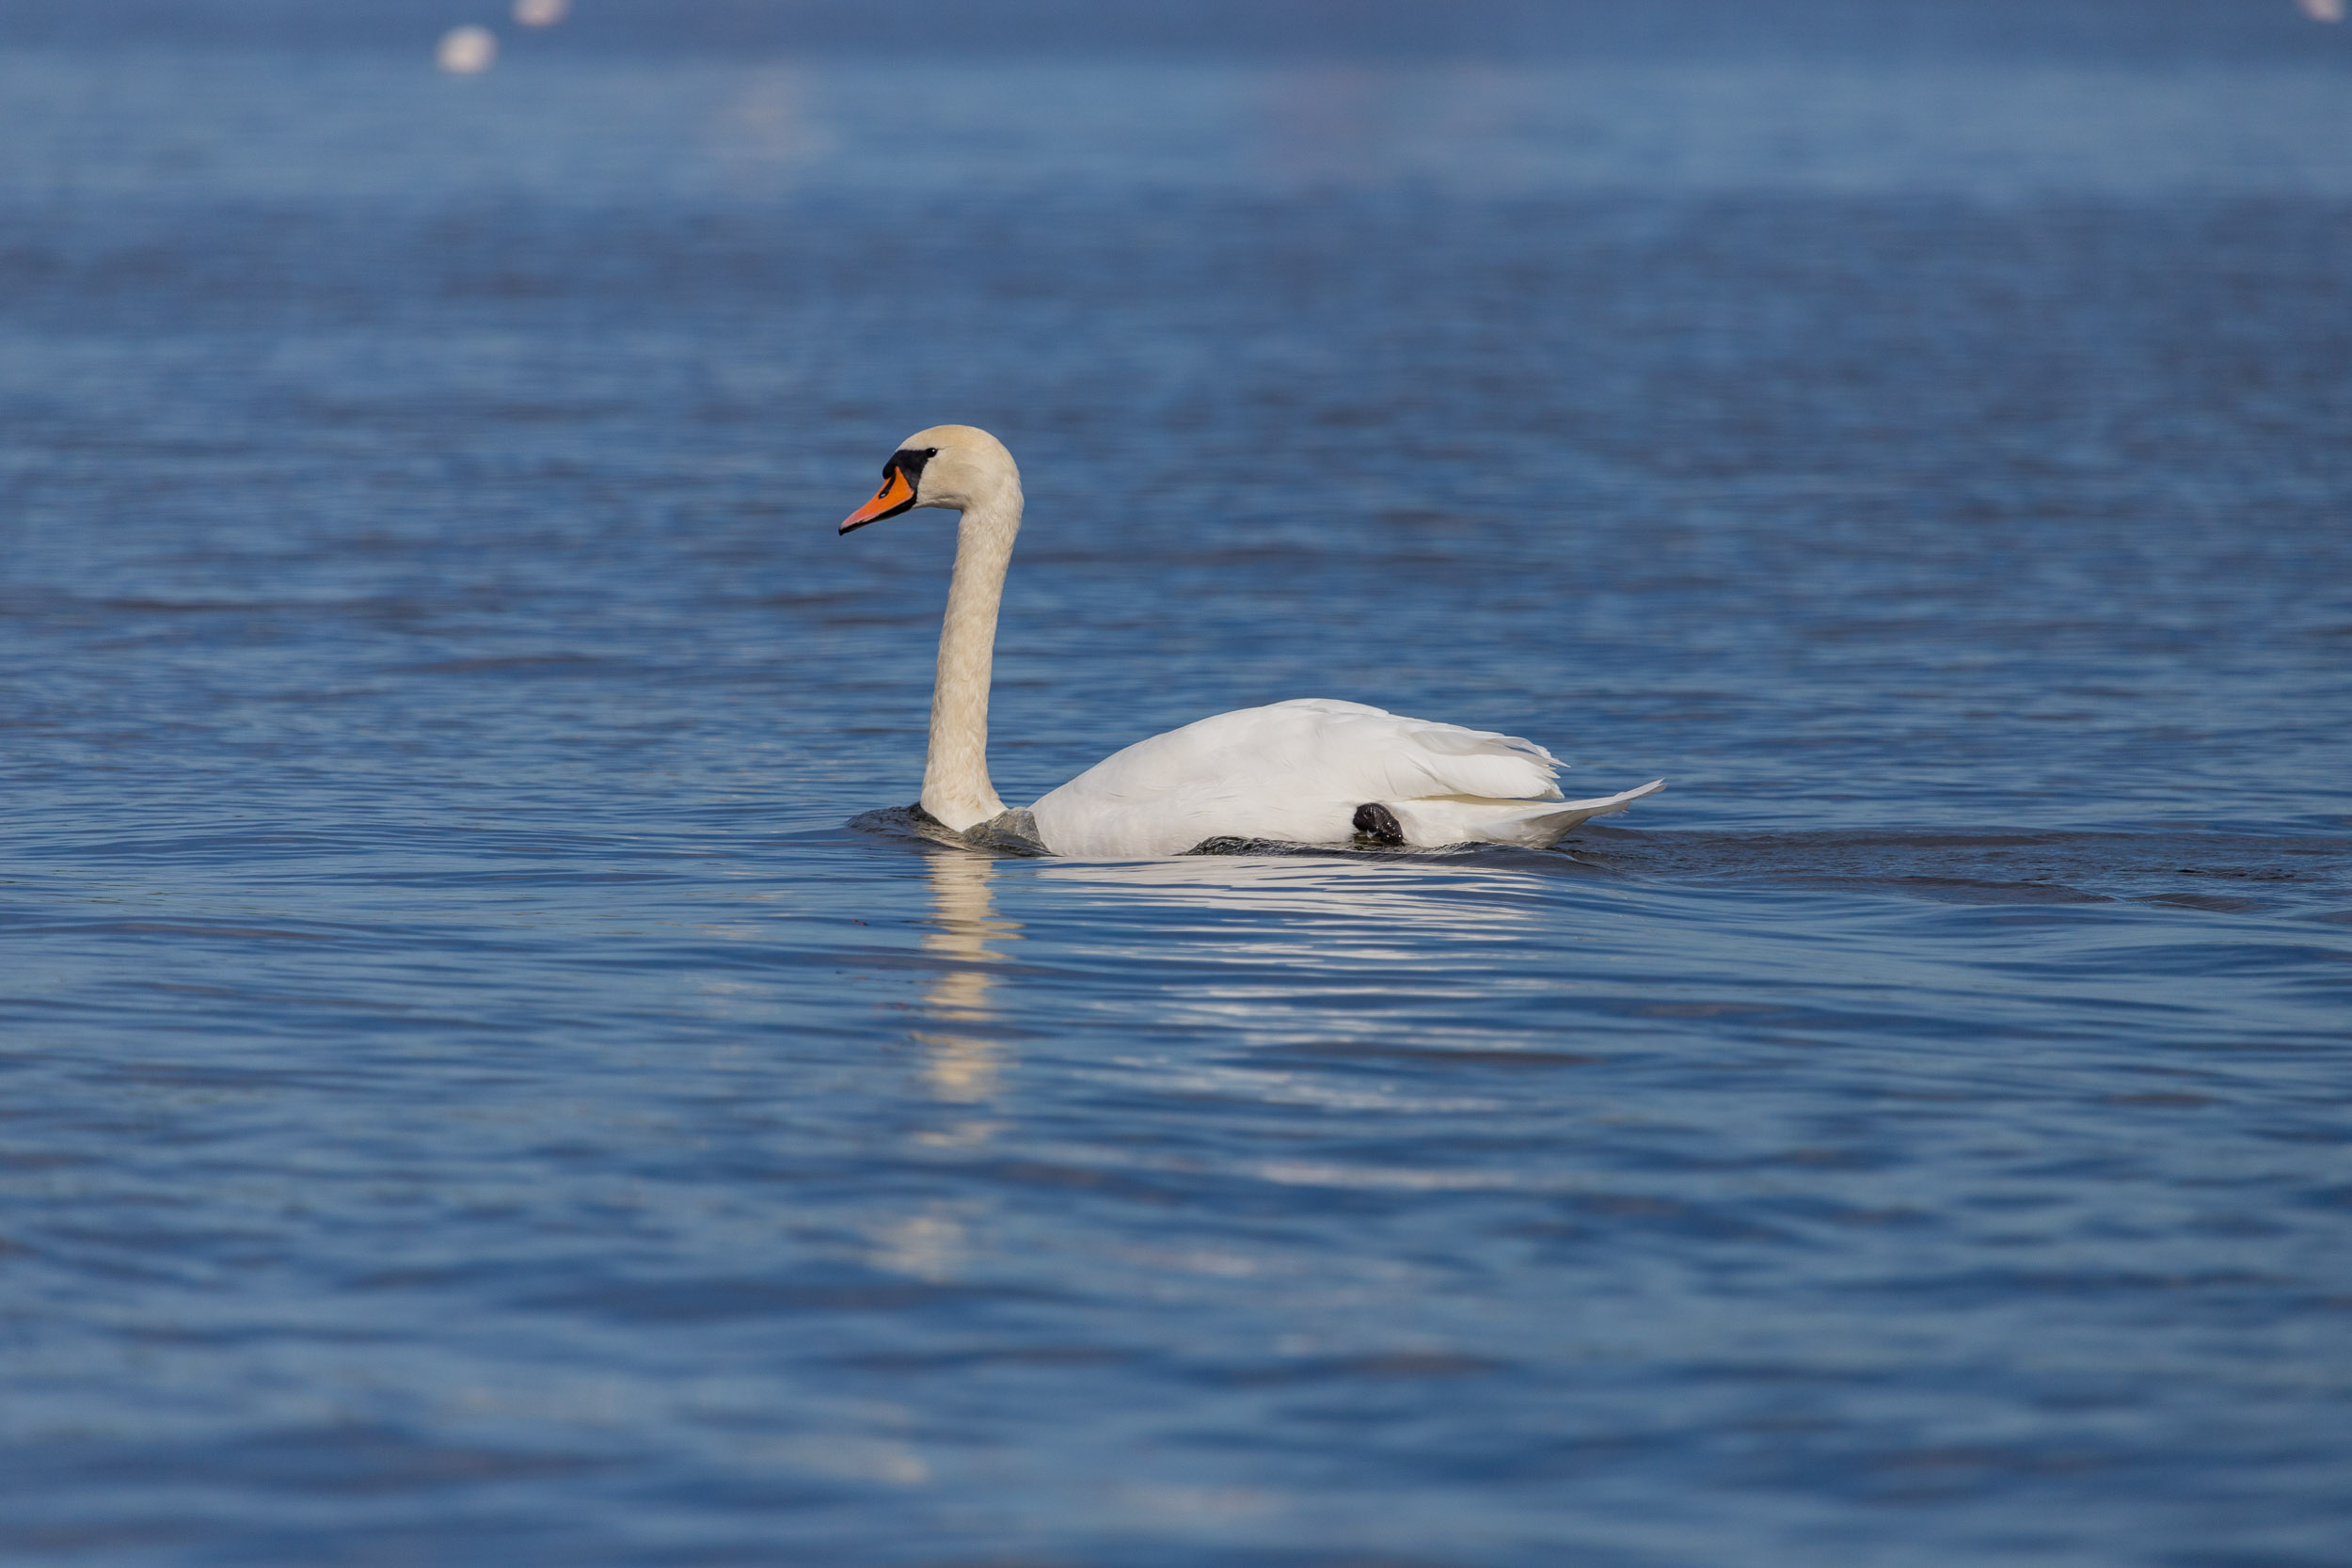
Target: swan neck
x,y
956,789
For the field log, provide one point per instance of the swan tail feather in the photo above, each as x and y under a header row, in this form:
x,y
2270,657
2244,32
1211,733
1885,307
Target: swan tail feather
x,y
1536,824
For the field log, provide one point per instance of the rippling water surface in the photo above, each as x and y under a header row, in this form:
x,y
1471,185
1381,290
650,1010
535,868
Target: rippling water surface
x,y
487,1079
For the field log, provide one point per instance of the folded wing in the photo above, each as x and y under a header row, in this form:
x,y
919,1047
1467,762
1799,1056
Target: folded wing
x,y
1297,772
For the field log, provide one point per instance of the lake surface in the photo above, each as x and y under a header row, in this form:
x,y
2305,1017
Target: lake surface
x,y
479,1087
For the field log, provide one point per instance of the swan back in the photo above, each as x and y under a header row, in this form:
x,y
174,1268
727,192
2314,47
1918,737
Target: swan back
x,y
1294,770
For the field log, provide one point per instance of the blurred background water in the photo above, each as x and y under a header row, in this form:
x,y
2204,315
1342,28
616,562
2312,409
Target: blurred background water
x,y
468,1095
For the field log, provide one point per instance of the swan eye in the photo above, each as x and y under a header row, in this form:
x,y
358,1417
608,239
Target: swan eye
x,y
902,478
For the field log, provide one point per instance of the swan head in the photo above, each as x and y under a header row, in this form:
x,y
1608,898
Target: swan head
x,y
951,466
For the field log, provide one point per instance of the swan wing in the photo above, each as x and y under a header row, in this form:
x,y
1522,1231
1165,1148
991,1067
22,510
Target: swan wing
x,y
1297,772
1539,824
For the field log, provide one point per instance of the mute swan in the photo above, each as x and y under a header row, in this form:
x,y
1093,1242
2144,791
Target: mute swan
x,y
1310,771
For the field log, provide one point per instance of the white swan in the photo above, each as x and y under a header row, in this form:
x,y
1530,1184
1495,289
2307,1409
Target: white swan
x,y
1309,771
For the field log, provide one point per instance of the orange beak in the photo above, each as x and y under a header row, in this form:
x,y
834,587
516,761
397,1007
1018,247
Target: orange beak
x,y
894,496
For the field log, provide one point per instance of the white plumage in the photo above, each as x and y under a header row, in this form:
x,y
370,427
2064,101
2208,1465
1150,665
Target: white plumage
x,y
1314,770
1299,770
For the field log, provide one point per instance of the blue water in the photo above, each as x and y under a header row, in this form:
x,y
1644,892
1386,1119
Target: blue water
x,y
479,1084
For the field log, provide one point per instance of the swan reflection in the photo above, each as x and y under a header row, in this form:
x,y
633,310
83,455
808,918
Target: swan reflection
x,y
1353,945
961,1060
1422,951
1421,897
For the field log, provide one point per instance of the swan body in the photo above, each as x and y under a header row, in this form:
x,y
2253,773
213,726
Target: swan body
x,y
1301,772
1314,770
